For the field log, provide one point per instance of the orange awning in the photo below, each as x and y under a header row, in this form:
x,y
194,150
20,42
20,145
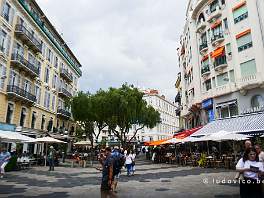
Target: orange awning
x,y
216,24
239,5
243,33
219,51
205,57
158,142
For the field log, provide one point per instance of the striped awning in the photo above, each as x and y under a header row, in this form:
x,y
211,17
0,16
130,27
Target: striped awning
x,y
249,123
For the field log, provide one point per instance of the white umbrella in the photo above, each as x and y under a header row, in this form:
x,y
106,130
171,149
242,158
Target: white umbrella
x,y
48,140
11,136
83,143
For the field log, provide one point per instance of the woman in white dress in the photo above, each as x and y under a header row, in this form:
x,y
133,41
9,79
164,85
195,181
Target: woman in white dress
x,y
252,170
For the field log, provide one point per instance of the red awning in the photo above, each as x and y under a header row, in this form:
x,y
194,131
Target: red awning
x,y
219,51
205,57
186,133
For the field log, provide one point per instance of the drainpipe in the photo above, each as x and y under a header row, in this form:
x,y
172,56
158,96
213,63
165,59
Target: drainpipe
x,y
260,21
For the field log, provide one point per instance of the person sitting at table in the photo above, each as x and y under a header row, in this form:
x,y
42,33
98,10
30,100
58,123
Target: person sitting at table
x,y
260,153
252,170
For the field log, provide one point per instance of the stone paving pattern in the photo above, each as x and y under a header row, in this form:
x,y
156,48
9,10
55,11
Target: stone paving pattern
x,y
151,180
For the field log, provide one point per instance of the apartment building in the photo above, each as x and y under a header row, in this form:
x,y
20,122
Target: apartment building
x,y
221,60
38,72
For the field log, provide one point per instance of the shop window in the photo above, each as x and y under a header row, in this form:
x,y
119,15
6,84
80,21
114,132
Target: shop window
x,y
227,110
257,101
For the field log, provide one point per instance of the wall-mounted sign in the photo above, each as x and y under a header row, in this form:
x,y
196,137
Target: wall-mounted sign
x,y
207,103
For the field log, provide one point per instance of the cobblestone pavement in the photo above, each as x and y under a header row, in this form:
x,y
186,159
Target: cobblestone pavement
x,y
151,180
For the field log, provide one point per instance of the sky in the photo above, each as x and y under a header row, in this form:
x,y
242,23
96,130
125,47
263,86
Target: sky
x,y
118,41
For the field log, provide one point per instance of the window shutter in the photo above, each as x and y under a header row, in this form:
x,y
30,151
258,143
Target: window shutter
x,y
11,17
244,40
248,68
8,42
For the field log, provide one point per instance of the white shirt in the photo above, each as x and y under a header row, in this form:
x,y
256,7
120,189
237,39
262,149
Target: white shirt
x,y
133,156
129,159
247,164
261,156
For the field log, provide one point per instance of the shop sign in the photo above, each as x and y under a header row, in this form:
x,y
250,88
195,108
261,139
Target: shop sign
x,y
7,127
207,103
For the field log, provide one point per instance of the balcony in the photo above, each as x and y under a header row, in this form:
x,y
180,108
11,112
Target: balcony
x,y
201,26
63,113
64,93
28,38
203,47
250,81
220,62
205,70
215,14
20,62
66,75
217,39
16,92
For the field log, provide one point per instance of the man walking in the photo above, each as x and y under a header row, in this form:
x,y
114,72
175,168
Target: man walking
x,y
51,158
5,156
118,162
107,173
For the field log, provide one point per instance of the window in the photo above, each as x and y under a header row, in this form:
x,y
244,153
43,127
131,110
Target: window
x,y
47,100
31,59
53,104
18,49
38,64
33,120
8,13
225,23
9,113
232,76
4,42
248,68
207,85
43,48
244,42
47,75
213,82
54,81
49,55
227,109
204,38
23,116
228,49
257,101
222,79
43,120
2,75
37,93
56,62
217,32
213,6
14,78
27,85
240,13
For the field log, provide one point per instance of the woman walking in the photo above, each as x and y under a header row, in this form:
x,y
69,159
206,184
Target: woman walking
x,y
251,169
133,168
129,163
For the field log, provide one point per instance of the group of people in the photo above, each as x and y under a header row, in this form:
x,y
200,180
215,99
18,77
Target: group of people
x,y
5,156
112,162
251,171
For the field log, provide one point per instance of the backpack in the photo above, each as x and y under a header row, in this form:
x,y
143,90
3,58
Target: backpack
x,y
118,162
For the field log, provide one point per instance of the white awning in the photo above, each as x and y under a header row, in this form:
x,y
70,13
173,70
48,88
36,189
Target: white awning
x,y
11,136
48,140
240,124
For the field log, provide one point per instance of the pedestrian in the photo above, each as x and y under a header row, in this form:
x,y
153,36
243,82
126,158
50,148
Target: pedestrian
x,y
51,158
118,162
260,153
5,156
133,168
252,170
107,173
129,163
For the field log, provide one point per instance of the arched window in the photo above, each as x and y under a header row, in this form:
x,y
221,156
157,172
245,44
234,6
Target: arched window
x,y
201,18
257,101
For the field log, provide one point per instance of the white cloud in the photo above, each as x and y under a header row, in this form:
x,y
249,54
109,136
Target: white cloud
x,y
121,41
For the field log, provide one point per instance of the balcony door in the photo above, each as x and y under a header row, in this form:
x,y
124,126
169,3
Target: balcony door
x,y
18,49
27,85
14,78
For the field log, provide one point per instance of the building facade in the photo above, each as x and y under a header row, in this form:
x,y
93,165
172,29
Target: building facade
x,y
38,71
221,60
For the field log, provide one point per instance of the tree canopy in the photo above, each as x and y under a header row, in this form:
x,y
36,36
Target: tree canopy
x,y
117,108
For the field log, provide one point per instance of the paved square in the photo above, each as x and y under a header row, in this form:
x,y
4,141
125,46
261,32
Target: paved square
x,y
151,180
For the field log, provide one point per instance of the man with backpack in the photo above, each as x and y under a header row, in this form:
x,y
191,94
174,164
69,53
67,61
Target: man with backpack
x,y
118,162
